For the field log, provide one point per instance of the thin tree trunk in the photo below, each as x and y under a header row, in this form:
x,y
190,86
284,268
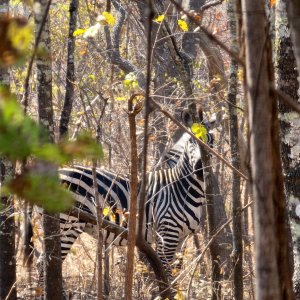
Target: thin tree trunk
x,y
106,272
273,276
132,112
51,222
237,256
287,81
214,247
99,218
69,97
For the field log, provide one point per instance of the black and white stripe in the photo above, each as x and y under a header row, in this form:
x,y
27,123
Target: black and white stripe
x,y
173,206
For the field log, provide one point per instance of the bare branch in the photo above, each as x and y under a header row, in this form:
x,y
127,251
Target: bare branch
x,y
211,4
288,100
112,46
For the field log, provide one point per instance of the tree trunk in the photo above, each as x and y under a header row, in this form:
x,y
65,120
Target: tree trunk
x,y
51,222
237,256
69,97
215,247
273,276
7,224
7,239
132,111
293,12
290,129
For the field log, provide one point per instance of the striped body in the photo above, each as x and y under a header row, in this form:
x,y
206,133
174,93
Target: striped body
x,y
173,205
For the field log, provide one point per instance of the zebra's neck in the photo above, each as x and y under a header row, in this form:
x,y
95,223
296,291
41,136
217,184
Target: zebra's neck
x,y
183,167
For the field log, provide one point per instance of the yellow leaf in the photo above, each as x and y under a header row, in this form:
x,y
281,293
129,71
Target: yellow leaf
x,y
39,291
159,18
183,25
79,32
130,81
120,98
179,296
272,2
106,211
106,18
20,35
112,217
199,131
240,74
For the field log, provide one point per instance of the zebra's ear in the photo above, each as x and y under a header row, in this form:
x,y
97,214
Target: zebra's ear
x,y
216,120
187,118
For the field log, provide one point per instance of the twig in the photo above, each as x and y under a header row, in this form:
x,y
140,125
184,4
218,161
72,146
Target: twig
x,y
288,100
211,4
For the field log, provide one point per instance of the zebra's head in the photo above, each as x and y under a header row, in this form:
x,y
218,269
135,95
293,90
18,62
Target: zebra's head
x,y
193,120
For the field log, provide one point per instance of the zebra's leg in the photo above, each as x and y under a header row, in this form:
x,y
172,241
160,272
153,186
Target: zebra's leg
x,y
166,250
178,263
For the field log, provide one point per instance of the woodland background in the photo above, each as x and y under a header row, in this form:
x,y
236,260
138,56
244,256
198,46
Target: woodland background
x,y
72,68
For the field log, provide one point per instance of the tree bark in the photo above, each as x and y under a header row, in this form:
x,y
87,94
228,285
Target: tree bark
x,y
70,79
287,82
273,276
215,247
215,67
237,253
51,222
293,13
7,224
132,112
7,239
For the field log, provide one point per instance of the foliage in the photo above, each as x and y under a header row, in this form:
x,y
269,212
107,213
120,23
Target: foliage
x,y
130,82
159,18
16,37
199,131
42,189
183,25
21,138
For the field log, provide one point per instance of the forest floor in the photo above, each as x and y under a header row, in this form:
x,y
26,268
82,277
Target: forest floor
x,y
79,271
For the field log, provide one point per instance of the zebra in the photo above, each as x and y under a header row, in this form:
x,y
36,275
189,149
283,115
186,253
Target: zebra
x,y
174,201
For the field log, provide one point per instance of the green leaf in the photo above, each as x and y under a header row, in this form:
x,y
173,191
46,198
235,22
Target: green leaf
x,y
84,147
19,135
52,153
42,190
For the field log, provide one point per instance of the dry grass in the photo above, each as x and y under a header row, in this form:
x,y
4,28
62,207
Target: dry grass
x,y
80,279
